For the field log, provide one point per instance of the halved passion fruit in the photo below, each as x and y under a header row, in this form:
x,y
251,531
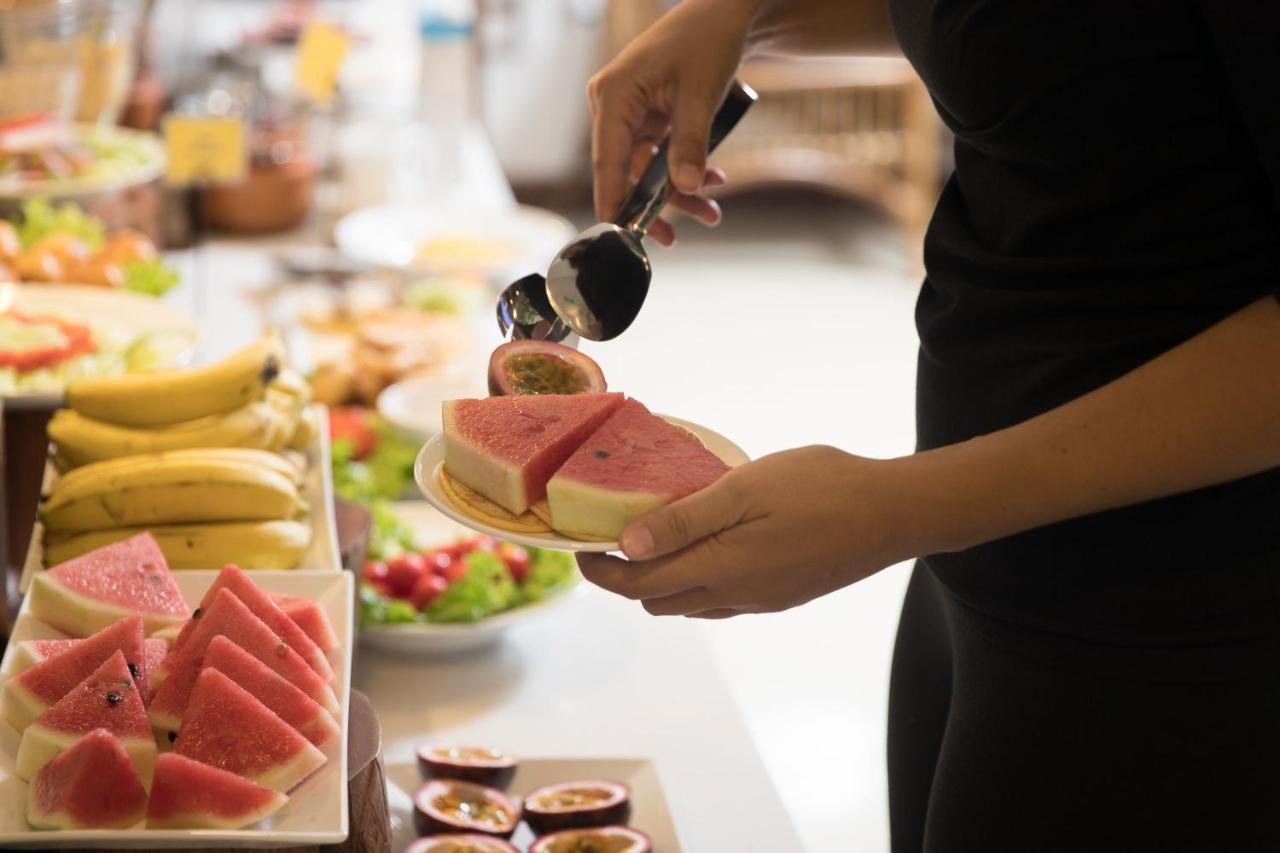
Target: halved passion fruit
x,y
442,806
542,367
577,805
467,764
465,843
604,839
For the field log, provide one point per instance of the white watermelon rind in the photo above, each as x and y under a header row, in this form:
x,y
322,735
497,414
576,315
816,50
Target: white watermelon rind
x,y
197,820
19,706
581,508
40,745
80,615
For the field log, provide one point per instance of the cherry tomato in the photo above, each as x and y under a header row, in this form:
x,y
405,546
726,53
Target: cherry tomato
x,y
516,559
382,589
403,572
480,543
443,563
427,589
457,550
350,423
375,571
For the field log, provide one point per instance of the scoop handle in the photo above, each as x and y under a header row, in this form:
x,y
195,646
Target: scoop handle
x,y
651,192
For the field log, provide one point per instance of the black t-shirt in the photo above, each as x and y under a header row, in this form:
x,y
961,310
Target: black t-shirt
x,y
1116,192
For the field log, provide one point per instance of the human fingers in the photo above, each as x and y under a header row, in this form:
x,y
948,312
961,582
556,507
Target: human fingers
x,y
650,579
684,522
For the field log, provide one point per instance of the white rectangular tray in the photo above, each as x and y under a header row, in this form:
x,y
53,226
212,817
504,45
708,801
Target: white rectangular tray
x,y
317,810
649,812
317,489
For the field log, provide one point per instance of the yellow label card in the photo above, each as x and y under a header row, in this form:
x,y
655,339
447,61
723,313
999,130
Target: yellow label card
x,y
320,54
205,149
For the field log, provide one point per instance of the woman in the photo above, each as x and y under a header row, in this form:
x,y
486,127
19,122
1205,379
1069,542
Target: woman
x,y
1089,651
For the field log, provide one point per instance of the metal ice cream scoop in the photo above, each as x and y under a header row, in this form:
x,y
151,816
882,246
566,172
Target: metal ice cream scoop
x,y
598,282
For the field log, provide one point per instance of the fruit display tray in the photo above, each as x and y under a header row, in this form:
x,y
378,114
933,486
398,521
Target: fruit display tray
x,y
649,811
317,811
322,554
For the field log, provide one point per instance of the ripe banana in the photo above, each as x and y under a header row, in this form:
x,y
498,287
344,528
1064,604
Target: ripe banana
x,y
235,455
169,492
250,545
294,384
306,430
167,397
81,440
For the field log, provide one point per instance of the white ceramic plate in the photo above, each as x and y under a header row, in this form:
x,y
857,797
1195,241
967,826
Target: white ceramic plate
x,y
649,811
431,457
146,166
126,314
525,239
412,406
322,554
317,809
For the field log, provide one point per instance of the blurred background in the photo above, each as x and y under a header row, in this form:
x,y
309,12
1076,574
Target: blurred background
x,y
366,175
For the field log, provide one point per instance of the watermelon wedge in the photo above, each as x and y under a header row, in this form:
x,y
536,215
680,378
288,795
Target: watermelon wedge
x,y
228,616
635,463
91,785
506,448
310,617
27,696
234,579
88,593
106,699
31,652
189,795
271,689
225,727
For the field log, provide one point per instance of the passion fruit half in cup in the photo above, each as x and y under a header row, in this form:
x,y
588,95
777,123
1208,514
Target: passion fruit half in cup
x,y
542,367
467,764
443,806
604,839
465,843
583,804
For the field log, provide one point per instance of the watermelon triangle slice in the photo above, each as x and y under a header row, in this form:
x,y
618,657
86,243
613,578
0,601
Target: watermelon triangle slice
x,y
89,592
31,652
225,727
310,617
271,689
234,579
106,699
189,795
506,448
228,616
91,785
635,463
27,696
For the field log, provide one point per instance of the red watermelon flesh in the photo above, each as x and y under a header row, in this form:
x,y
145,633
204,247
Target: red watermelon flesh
x,y
90,785
635,463
88,593
106,699
234,579
271,689
27,696
31,652
225,727
506,448
310,617
229,617
189,795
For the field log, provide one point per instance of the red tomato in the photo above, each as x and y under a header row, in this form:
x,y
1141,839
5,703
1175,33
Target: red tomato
x,y
457,550
427,589
446,565
480,543
375,571
351,423
382,589
403,572
516,559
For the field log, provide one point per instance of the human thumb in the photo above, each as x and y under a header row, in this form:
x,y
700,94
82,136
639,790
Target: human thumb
x,y
681,524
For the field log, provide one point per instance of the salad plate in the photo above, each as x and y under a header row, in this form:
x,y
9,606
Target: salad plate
x,y
113,158
431,460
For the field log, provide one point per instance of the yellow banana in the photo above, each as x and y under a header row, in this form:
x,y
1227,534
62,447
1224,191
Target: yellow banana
x,y
242,455
171,492
294,384
250,545
306,430
163,397
81,440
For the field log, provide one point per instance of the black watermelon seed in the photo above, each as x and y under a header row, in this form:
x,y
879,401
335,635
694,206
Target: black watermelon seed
x,y
196,615
173,736
133,670
601,454
114,698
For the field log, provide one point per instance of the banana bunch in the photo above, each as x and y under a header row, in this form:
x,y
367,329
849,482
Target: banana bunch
x,y
252,544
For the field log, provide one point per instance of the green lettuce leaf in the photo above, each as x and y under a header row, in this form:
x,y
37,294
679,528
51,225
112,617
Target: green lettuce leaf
x,y
486,589
153,278
377,609
390,535
548,571
40,218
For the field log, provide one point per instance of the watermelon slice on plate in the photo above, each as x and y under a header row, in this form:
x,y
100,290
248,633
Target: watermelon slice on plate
x,y
225,727
189,795
506,448
28,695
31,652
633,464
106,699
310,617
228,616
234,579
92,784
88,593
271,689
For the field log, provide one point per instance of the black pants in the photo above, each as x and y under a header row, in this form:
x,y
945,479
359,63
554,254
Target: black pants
x,y
1003,738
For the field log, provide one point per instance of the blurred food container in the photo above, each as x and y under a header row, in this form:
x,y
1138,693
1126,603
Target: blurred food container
x,y
40,57
276,193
